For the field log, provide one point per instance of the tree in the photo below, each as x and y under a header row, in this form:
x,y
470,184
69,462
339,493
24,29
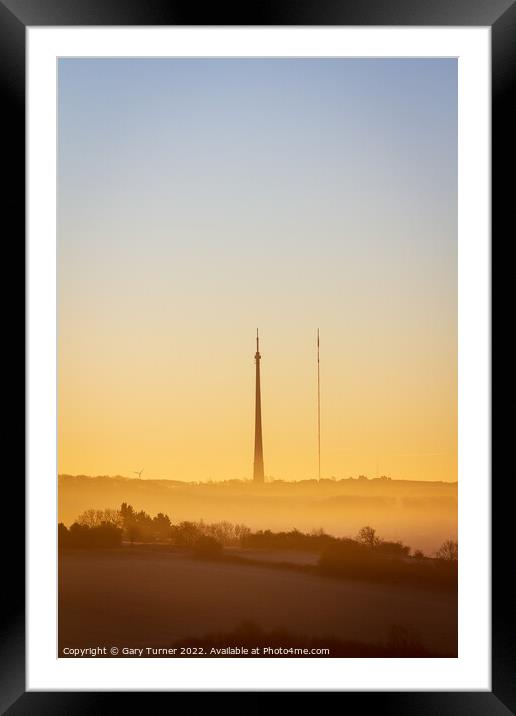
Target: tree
x,y
127,514
133,533
90,518
161,520
161,526
367,536
62,535
111,517
241,532
448,551
96,518
186,533
317,532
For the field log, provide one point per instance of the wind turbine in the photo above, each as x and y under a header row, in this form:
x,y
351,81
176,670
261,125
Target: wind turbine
x,y
138,472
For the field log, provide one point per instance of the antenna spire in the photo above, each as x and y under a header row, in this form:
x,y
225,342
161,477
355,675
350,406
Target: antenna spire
x,y
318,409
258,473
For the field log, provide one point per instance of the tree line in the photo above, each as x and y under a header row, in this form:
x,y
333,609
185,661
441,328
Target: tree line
x,y
366,557
110,527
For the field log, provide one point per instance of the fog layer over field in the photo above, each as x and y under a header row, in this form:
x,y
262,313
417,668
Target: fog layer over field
x,y
421,514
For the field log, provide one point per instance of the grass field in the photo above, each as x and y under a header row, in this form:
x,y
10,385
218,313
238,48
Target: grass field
x,y
135,596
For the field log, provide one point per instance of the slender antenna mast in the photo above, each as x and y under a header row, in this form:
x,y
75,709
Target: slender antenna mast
x,y
258,473
318,408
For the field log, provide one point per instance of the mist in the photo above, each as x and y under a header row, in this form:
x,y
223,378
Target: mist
x,y
420,514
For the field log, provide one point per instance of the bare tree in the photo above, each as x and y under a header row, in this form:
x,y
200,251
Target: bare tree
x,y
95,518
448,551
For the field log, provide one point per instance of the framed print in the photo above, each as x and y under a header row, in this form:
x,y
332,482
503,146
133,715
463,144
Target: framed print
x,y
258,354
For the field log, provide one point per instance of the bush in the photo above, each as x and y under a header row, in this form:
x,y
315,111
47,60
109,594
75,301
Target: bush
x,y
294,540
84,537
207,548
394,549
344,557
352,560
186,534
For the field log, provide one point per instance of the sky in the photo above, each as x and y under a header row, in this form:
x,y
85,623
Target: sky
x,y
199,199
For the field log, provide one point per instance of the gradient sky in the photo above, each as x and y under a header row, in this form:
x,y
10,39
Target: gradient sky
x,y
199,199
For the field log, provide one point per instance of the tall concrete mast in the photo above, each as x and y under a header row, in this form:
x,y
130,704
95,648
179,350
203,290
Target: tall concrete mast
x,y
258,474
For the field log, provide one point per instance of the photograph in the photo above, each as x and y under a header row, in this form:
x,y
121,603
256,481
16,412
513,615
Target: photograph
x,y
259,446
257,330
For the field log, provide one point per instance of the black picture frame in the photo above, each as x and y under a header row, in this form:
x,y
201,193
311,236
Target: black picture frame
x,y
15,16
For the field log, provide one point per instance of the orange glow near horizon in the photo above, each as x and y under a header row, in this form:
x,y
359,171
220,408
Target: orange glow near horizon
x,y
192,418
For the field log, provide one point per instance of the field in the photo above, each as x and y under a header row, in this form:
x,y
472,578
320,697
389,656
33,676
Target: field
x,y
138,596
